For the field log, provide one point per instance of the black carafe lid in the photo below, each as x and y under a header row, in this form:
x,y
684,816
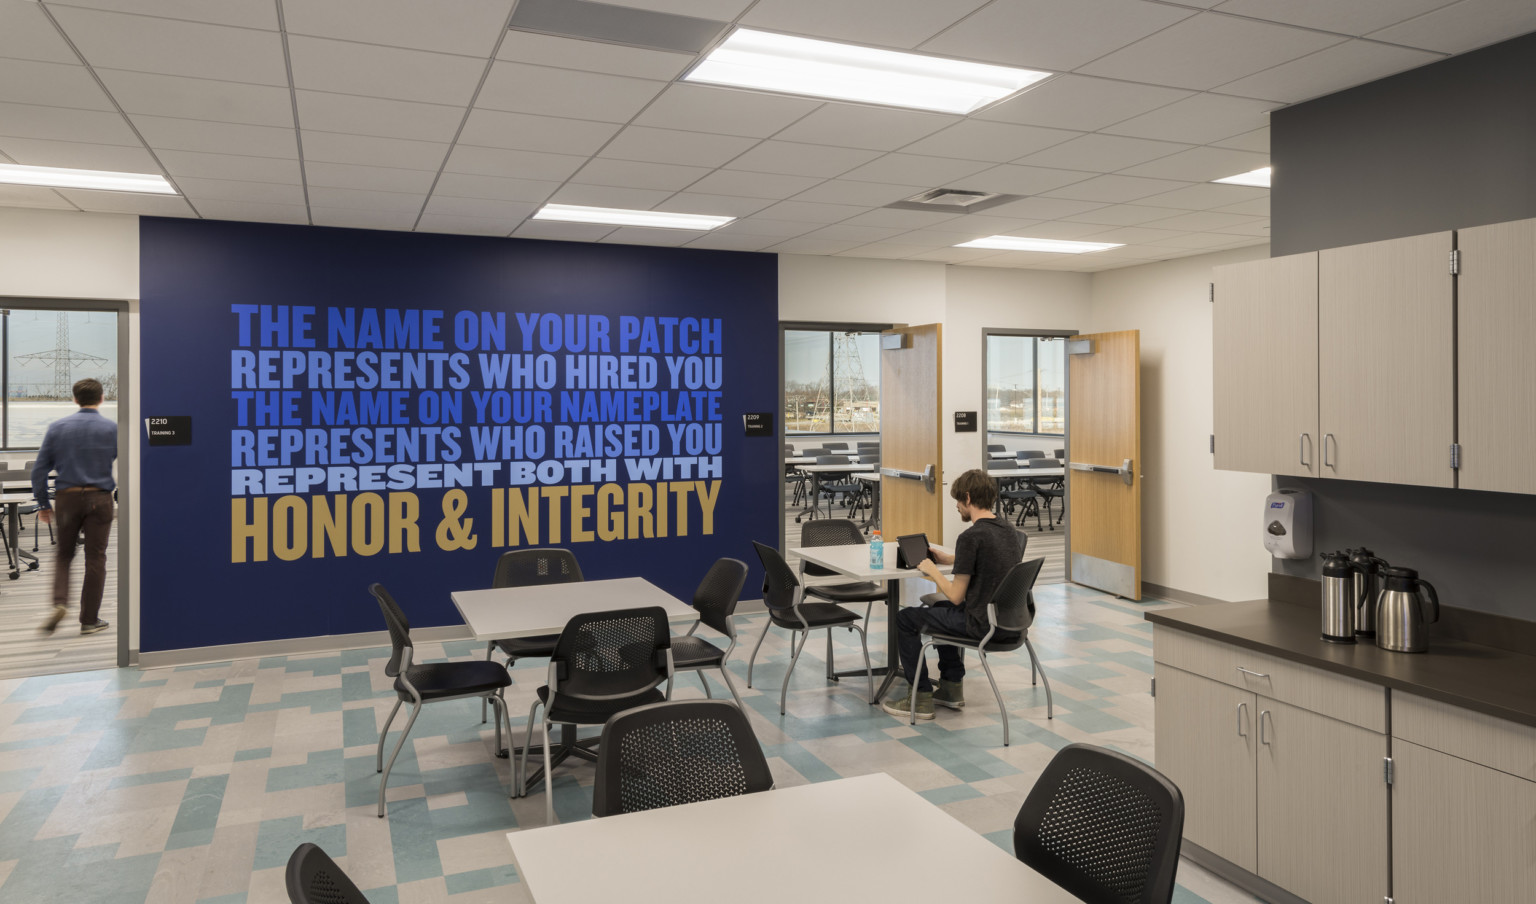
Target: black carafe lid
x,y
1404,579
1335,565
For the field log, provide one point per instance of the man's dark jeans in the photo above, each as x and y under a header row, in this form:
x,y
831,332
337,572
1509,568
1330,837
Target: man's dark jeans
x,y
945,619
88,511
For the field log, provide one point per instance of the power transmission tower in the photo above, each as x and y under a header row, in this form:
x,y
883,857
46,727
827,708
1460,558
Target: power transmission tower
x,y
853,391
62,359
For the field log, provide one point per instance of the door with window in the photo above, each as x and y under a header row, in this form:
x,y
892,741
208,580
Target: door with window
x,y
1104,461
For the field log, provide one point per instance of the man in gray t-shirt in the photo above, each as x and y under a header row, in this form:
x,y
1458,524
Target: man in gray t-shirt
x,y
983,555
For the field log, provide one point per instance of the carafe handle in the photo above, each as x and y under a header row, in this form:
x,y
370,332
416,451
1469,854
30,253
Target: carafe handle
x,y
1434,600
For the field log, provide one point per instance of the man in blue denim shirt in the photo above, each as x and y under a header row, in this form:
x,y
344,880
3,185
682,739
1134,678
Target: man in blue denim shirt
x,y
81,448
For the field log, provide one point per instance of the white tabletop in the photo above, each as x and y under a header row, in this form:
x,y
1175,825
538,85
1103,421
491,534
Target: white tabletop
x,y
833,469
868,476
811,459
827,843
544,609
854,562
1027,472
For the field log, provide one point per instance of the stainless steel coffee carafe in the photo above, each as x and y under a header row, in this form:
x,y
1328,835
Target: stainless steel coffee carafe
x,y
1366,568
1339,604
1406,606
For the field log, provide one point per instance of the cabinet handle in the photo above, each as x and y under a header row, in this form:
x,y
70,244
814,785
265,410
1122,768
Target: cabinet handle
x,y
1262,714
1327,463
1253,673
1302,443
1241,709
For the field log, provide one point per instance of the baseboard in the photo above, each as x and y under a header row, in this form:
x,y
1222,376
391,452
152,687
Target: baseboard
x,y
326,643
1177,596
1226,869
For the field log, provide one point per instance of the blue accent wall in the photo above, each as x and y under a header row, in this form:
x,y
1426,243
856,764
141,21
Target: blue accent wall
x,y
370,418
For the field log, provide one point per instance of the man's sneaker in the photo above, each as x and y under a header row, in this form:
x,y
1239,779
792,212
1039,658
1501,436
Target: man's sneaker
x,y
950,694
97,628
897,704
52,622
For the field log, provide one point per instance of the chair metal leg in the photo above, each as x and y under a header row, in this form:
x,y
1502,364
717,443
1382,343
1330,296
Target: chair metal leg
x,y
1050,708
668,694
917,675
549,781
384,781
705,681
378,760
1001,706
496,704
522,760
731,685
784,691
753,658
490,648
869,670
1033,671
831,676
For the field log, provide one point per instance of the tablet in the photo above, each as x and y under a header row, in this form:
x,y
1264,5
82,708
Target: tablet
x,y
911,549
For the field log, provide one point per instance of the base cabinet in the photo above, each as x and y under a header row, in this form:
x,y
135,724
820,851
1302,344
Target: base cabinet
x,y
1205,745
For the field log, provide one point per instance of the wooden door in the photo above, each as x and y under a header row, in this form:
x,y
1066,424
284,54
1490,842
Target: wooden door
x,y
1322,806
910,393
1204,743
1265,364
1385,372
1460,831
1495,334
1104,461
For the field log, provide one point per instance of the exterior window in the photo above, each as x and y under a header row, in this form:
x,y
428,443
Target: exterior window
x,y
1026,385
44,352
831,382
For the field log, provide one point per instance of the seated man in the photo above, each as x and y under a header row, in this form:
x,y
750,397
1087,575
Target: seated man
x,y
983,555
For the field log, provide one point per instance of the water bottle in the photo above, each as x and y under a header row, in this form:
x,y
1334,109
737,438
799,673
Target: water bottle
x,y
876,551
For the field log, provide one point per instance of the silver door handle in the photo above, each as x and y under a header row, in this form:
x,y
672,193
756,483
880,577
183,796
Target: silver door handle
x,y
1241,709
1262,715
1124,470
1302,442
1326,437
1251,672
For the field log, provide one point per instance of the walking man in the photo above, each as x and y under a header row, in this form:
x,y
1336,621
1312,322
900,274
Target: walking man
x,y
81,448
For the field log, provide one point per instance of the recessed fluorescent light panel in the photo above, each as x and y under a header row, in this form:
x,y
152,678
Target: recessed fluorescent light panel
x,y
100,180
608,216
1016,243
789,65
1259,178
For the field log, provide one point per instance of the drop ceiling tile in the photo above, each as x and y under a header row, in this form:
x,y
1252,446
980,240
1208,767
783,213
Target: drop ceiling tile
x,y
378,117
1082,103
368,178
216,137
997,142
171,47
634,174
592,56
78,155
716,241
1200,165
671,146
1102,153
792,159
26,34
519,88
1254,207
1121,215
480,161
609,196
844,232
354,218
1044,208
360,199
566,232
1055,35
1065,230
975,225
50,84
1013,179
486,208
723,111
720,10
1463,26
240,13
344,67
457,225
522,132
713,205
129,202
1201,119
954,255
196,98
1126,235
1115,189
1210,240
901,219
1203,221
1330,15
925,238
876,128
890,23
470,27
230,166
916,169
637,235
765,226
460,185
808,245
806,212
1207,50
1256,141
58,124
32,196
864,194
200,190
1205,196
753,185
881,251
1256,226
367,150
1330,69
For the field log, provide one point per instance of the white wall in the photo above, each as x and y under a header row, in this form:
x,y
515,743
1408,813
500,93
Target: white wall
x,y
1200,526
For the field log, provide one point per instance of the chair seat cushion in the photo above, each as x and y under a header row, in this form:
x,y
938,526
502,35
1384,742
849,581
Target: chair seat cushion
x,y
693,651
451,679
594,712
817,615
1002,642
525,647
858,592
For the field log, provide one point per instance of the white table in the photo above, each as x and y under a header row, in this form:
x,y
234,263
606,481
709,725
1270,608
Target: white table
x,y
13,497
813,497
1052,473
778,847
800,460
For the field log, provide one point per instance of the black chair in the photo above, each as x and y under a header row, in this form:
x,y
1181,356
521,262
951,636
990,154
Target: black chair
x,y
529,568
1010,612
786,609
1015,494
835,447
1050,489
846,485
603,664
838,532
677,752
1030,453
314,878
1061,454
996,447
1103,826
716,599
434,682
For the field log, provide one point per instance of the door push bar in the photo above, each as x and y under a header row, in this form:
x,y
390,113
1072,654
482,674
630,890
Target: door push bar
x,y
1124,470
926,475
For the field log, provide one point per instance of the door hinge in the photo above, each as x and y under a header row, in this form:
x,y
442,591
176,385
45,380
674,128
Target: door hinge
x,y
1213,444
1213,292
1455,456
1456,262
1386,770
1154,687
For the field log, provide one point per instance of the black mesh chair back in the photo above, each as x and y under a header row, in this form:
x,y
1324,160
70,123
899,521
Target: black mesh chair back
x,y
399,628
717,595
1001,464
1061,453
677,752
1103,826
779,580
834,446
1043,462
996,447
831,459
1011,600
1030,453
618,653
531,567
829,532
314,878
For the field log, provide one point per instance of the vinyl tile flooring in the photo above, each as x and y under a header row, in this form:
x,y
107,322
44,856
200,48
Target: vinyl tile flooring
x,y
193,784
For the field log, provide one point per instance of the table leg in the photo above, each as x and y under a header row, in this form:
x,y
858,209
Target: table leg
x,y
13,523
812,500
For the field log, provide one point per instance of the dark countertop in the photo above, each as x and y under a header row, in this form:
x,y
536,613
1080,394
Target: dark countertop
x,y
1483,679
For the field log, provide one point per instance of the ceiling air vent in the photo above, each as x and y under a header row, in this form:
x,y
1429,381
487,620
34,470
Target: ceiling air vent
x,y
953,200
613,24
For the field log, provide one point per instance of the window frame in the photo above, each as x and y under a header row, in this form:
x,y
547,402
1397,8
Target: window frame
x,y
10,304
830,328
986,335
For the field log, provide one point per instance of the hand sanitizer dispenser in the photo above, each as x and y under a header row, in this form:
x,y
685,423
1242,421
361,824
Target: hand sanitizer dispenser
x,y
1288,524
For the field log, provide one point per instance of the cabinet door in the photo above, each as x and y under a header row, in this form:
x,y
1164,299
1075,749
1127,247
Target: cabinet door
x,y
1204,744
1322,806
1460,831
1385,388
1265,366
1495,335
